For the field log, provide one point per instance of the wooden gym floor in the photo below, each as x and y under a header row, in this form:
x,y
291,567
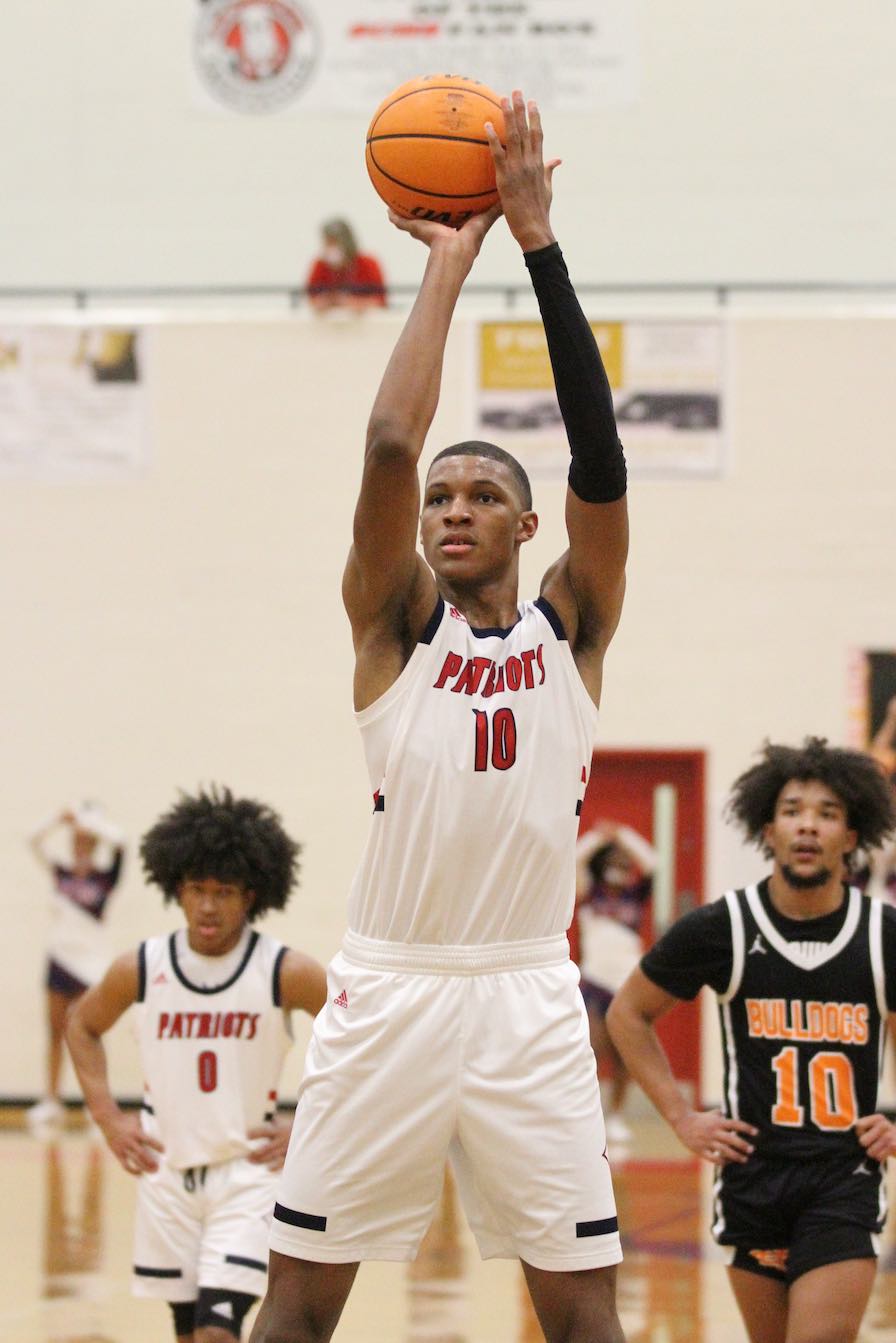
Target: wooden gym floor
x,y
65,1253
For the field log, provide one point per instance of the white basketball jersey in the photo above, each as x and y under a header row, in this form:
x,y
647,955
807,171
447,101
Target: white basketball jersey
x,y
211,1056
478,757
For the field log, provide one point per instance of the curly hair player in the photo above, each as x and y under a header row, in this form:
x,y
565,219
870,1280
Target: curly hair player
x,y
214,1002
804,967
455,1025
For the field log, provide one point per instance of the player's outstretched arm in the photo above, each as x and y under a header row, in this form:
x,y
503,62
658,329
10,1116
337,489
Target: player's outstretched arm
x,y
92,1015
385,580
630,1021
587,585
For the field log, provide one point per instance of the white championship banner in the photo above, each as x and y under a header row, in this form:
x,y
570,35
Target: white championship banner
x,y
257,56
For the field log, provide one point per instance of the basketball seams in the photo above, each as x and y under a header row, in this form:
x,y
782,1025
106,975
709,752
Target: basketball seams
x,y
427,135
437,88
439,195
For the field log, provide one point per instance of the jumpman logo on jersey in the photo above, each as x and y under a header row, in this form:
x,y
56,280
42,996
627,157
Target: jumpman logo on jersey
x,y
862,1169
161,978
342,1000
758,946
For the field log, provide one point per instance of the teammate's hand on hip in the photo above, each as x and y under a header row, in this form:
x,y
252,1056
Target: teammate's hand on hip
x,y
133,1148
877,1135
715,1136
272,1142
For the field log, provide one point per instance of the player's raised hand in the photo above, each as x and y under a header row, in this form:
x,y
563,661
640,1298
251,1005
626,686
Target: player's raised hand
x,y
523,177
715,1136
466,240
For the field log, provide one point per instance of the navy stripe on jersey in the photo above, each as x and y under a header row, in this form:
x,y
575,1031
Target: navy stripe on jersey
x,y
141,973
215,988
433,623
551,617
604,1226
142,1272
492,632
246,1263
379,802
276,992
308,1220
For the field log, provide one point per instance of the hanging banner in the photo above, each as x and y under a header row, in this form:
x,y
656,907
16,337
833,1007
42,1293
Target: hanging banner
x,y
345,55
72,401
667,379
871,702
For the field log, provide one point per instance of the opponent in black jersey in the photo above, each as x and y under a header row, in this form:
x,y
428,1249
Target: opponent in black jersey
x,y
202,1229
804,969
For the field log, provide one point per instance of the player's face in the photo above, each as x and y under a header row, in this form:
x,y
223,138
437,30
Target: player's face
x,y
472,521
216,913
809,836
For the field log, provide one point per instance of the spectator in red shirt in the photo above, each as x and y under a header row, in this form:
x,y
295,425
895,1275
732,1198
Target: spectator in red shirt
x,y
342,276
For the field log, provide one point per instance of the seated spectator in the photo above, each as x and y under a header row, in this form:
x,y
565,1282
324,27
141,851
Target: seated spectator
x,y
342,276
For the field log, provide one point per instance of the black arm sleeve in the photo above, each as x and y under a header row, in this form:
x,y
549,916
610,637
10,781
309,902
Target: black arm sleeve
x,y
597,473
695,951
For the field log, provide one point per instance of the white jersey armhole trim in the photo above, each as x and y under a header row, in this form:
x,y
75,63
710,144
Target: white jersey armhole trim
x,y
876,948
589,710
402,681
738,945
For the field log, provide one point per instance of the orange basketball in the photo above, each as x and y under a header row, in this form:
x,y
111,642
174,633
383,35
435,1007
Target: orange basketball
x,y
427,152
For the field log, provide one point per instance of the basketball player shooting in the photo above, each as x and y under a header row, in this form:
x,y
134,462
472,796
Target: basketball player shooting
x,y
454,1026
805,972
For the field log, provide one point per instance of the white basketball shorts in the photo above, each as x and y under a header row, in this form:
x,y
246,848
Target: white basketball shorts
x,y
203,1227
477,1055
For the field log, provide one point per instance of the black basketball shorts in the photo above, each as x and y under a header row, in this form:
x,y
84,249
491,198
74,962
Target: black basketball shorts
x,y
784,1218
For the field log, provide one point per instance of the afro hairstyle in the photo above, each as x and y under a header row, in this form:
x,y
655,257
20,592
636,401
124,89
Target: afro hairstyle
x,y
853,777
228,838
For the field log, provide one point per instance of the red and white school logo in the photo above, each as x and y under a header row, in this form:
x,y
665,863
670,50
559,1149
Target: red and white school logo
x,y
254,55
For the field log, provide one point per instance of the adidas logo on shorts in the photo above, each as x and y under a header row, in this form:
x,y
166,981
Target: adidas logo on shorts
x,y
342,1000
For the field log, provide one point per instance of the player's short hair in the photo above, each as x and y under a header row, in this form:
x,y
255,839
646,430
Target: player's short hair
x,y
472,447
852,776
231,839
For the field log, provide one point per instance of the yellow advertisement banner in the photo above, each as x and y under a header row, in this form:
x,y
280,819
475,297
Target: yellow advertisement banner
x,y
514,355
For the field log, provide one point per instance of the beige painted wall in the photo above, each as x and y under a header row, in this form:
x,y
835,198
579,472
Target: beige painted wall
x,y
185,625
759,146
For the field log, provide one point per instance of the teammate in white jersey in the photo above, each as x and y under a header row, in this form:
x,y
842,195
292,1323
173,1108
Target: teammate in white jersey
x,y
214,1000
454,1026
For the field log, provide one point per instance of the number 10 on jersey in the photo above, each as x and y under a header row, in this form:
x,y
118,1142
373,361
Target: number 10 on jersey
x,y
495,740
